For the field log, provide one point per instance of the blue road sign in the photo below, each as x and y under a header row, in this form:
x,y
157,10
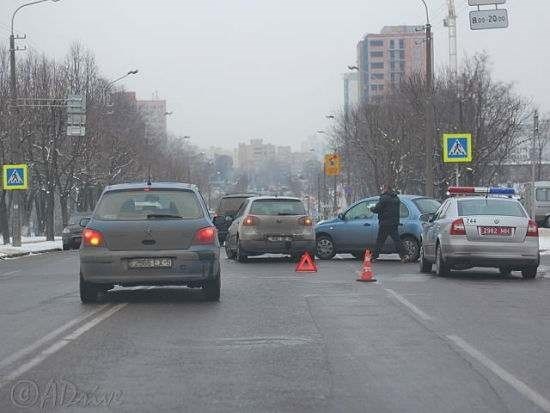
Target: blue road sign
x,y
457,147
15,176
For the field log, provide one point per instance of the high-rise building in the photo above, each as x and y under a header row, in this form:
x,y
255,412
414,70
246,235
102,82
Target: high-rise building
x,y
154,115
385,58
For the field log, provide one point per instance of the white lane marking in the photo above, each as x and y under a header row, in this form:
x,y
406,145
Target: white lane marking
x,y
509,378
48,337
9,273
58,345
409,305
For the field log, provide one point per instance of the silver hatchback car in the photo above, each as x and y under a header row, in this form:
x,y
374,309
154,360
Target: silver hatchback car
x,y
150,234
267,224
479,231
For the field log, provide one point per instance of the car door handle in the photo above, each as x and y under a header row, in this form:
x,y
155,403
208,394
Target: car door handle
x,y
366,225
400,225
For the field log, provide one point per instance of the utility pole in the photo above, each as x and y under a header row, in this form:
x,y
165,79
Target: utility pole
x,y
429,127
533,160
16,220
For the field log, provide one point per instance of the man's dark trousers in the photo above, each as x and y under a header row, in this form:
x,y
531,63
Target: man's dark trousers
x,y
383,232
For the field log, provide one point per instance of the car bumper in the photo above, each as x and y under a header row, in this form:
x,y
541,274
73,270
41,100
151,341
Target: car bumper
x,y
264,246
73,239
99,265
492,254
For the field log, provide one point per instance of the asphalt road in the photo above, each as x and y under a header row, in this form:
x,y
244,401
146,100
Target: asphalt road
x,y
278,341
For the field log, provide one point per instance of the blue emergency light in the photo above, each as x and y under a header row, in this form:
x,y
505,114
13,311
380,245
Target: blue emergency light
x,y
465,190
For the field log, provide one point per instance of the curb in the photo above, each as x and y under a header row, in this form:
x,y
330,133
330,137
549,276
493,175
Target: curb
x,y
25,253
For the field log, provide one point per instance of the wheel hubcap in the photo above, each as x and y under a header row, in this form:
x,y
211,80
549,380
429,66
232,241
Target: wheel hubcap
x,y
324,247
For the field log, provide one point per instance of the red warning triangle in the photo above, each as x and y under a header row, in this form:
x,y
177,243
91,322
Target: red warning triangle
x,y
306,264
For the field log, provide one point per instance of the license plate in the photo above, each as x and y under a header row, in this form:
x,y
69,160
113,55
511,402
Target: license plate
x,y
150,263
496,231
279,238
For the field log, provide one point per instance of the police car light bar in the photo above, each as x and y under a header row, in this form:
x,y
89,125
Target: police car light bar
x,y
453,190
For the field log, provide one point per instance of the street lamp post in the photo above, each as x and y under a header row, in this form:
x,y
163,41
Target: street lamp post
x,y
111,83
428,133
16,236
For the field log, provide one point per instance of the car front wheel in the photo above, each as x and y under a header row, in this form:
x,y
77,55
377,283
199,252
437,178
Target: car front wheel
x,y
411,248
325,249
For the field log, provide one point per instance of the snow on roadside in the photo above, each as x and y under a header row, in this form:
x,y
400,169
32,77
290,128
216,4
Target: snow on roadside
x,y
30,246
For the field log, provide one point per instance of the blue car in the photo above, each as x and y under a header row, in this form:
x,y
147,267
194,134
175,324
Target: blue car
x,y
357,228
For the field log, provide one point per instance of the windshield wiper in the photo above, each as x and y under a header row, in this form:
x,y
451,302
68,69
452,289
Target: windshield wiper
x,y
167,216
286,213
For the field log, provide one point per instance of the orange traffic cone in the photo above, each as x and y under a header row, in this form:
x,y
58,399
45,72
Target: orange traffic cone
x,y
306,264
367,274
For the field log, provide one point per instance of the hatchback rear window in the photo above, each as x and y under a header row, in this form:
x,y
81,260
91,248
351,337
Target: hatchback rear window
x,y
230,206
277,207
469,207
154,204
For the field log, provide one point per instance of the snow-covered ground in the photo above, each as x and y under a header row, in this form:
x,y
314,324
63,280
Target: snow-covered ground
x,y
31,245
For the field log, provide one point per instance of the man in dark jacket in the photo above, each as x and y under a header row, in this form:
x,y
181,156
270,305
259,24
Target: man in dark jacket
x,y
387,209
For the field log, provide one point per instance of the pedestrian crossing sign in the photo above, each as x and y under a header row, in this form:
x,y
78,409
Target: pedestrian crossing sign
x,y
15,177
457,147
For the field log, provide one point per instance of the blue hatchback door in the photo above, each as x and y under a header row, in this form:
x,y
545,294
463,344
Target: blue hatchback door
x,y
359,227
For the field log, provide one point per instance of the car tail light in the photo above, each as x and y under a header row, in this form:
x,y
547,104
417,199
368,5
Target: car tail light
x,y
92,238
532,229
250,221
306,221
457,227
205,236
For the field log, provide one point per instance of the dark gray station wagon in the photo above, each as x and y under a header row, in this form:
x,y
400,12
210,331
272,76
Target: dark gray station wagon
x,y
150,234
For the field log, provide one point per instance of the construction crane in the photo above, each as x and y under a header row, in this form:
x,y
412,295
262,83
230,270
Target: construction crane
x,y
450,22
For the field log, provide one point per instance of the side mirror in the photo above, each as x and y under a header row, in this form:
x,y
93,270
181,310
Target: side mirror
x,y
83,222
341,216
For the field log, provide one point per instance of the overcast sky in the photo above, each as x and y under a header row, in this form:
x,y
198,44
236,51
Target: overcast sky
x,y
232,70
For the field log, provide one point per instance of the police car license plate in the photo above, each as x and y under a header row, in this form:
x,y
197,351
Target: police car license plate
x,y
496,231
279,238
150,263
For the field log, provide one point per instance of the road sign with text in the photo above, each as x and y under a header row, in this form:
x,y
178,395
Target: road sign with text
x,y
485,2
15,177
457,147
332,164
488,19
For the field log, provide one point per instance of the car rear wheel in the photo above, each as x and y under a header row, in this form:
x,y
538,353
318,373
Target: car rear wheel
x,y
229,252
529,272
241,257
66,247
212,289
88,291
441,268
411,248
324,247
505,271
425,265
358,255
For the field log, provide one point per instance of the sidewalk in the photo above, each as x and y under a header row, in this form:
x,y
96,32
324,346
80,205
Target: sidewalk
x,y
31,245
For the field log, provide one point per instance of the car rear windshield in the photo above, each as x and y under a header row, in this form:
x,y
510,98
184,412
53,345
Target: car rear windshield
x,y
469,207
155,204
427,205
277,207
230,206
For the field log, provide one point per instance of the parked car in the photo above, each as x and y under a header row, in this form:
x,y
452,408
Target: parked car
x,y
356,229
72,233
267,224
537,202
226,211
150,234
480,231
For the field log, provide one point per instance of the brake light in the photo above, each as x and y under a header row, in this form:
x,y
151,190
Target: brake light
x,y
205,236
532,229
250,221
92,238
306,221
457,227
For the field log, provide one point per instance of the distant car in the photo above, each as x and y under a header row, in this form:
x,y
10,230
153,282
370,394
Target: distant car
x,y
72,233
480,231
226,211
356,229
276,225
150,234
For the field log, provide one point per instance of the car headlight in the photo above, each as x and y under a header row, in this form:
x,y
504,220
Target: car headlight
x,y
66,231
